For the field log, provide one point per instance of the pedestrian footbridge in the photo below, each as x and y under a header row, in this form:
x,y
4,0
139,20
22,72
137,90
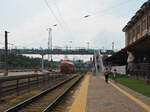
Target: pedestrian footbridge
x,y
59,51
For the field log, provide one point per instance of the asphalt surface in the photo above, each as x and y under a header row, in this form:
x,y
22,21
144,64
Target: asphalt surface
x,y
103,97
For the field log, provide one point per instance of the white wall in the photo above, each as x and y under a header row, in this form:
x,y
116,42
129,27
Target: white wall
x,y
120,69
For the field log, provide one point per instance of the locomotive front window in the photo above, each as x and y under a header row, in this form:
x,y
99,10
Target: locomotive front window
x,y
64,64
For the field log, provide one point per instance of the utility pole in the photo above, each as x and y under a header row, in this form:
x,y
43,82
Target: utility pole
x,y
6,54
50,41
113,46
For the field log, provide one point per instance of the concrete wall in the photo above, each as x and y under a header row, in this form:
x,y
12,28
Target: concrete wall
x,y
120,69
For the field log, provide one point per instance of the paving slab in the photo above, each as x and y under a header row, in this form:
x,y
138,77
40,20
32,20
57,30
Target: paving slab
x,y
103,97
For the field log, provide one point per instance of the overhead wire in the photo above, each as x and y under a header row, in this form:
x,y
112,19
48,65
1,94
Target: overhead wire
x,y
51,10
115,6
108,9
66,24
91,15
59,13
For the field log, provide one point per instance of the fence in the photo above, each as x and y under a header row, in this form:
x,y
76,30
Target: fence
x,y
12,83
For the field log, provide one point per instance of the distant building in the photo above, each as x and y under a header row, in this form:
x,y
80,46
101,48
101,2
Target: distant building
x,y
139,25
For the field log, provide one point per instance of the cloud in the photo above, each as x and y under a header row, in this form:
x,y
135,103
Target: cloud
x,y
105,39
100,30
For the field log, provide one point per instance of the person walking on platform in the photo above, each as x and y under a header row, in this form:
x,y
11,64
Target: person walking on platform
x,y
106,73
115,75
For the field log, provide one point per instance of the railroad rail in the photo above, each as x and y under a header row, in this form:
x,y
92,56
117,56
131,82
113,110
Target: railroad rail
x,y
47,100
17,83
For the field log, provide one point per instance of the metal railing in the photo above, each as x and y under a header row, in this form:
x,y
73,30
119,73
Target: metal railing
x,y
15,83
59,51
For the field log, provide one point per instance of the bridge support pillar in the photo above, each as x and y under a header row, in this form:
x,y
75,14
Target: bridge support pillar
x,y
42,64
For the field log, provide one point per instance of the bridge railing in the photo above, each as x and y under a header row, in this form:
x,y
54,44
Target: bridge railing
x,y
54,50
57,51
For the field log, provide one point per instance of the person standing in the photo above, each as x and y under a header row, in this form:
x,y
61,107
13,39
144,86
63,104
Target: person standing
x,y
106,73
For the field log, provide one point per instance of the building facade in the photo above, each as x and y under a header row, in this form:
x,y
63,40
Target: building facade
x,y
139,25
137,42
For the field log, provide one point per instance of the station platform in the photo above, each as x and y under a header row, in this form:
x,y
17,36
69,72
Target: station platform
x,y
97,96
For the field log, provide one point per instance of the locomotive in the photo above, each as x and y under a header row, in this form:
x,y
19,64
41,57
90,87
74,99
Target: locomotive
x,y
67,67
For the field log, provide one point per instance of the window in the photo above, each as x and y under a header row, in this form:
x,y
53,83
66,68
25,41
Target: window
x,y
144,24
64,64
138,29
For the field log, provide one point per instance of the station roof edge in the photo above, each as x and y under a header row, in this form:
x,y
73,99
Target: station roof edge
x,y
143,9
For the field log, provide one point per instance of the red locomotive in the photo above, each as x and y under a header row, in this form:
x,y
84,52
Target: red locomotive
x,y
67,67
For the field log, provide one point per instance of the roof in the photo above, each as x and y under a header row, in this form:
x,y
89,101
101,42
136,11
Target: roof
x,y
138,48
68,62
144,8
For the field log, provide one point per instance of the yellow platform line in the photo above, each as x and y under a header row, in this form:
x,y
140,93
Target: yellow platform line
x,y
145,106
79,104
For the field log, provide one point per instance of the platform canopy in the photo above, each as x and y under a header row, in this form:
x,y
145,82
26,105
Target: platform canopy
x,y
139,48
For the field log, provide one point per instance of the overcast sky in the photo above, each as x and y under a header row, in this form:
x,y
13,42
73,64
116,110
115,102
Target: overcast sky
x,y
27,20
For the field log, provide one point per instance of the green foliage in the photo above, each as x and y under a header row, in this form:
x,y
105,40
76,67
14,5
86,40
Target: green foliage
x,y
136,85
20,61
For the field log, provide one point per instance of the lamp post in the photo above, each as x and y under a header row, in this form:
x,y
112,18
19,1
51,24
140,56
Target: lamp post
x,y
50,42
86,16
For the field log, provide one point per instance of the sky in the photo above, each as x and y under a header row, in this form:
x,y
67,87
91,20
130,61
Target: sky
x,y
28,20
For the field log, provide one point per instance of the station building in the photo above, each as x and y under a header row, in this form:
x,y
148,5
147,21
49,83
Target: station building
x,y
136,54
139,25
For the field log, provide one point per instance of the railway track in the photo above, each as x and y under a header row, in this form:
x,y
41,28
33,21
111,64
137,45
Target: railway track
x,y
47,100
9,88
